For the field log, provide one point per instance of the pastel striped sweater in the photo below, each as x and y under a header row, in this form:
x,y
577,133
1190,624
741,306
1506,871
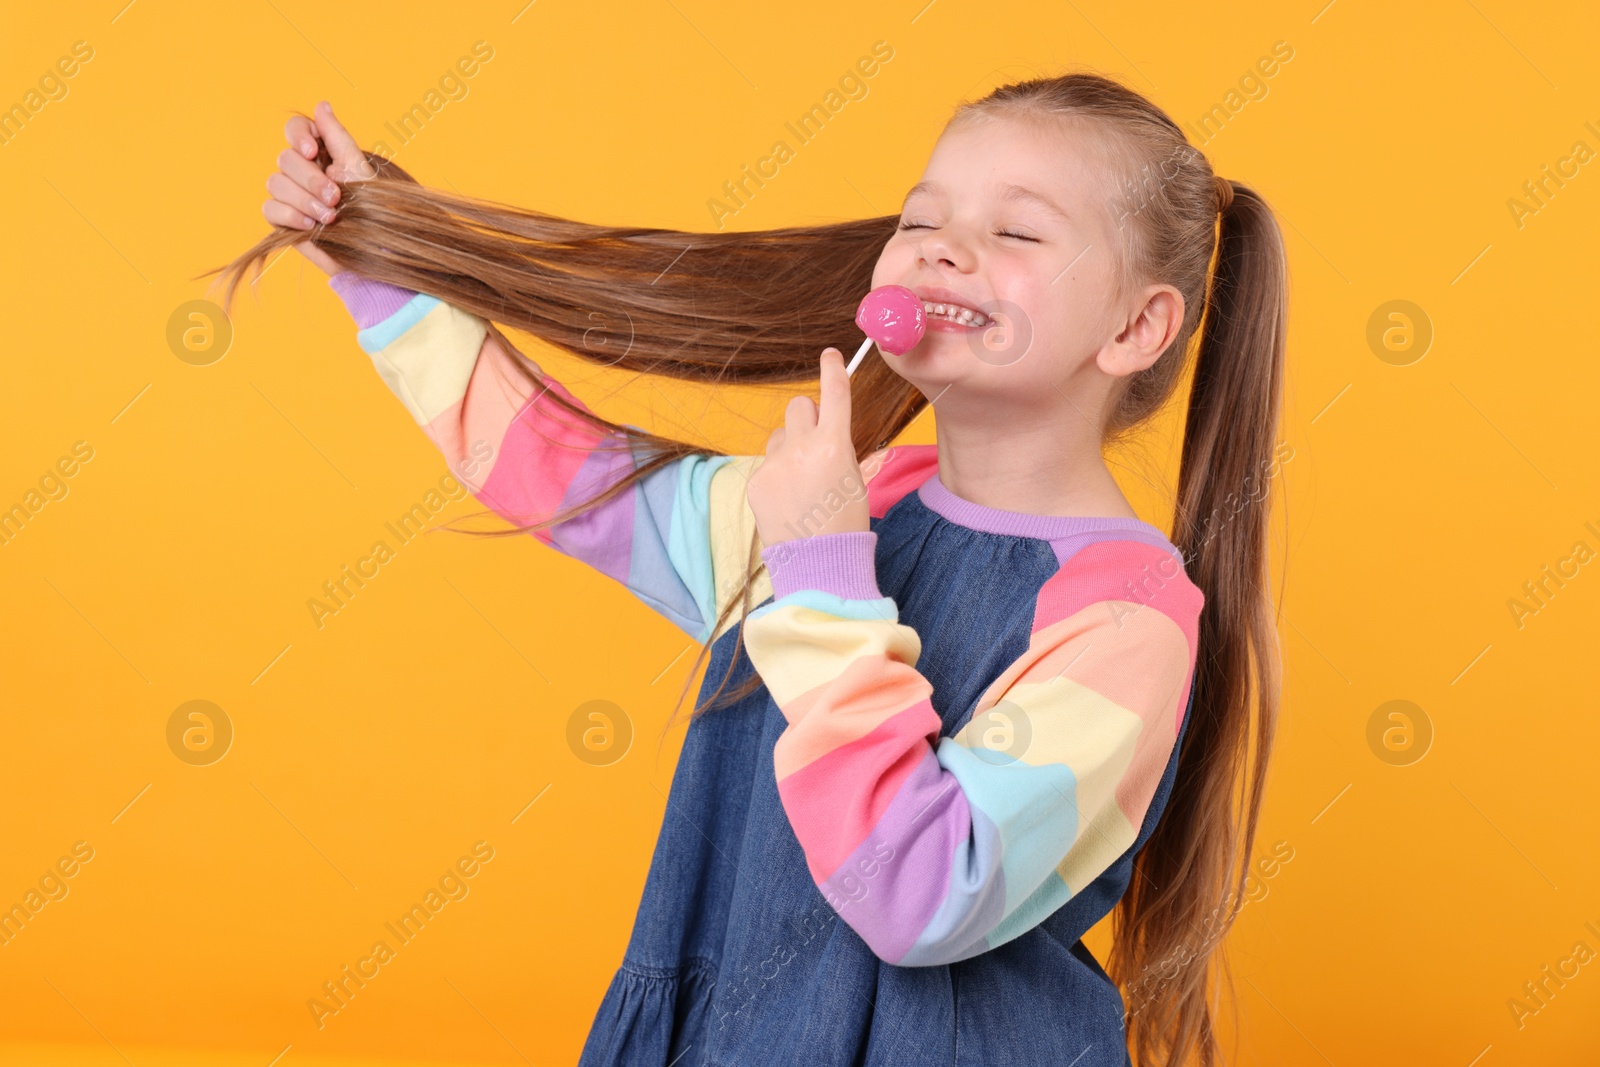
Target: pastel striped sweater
x,y
932,848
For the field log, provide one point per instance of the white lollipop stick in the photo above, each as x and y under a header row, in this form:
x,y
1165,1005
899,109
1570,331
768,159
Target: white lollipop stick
x,y
855,360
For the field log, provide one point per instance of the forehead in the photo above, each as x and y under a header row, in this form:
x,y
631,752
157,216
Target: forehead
x,y
1017,158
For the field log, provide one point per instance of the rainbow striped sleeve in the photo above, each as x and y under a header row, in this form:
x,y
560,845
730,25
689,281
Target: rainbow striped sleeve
x,y
935,849
678,541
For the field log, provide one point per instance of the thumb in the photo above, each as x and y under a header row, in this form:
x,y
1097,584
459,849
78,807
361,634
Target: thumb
x,y
349,162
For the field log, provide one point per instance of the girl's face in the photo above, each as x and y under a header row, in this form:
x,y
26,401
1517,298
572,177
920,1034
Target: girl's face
x,y
1012,218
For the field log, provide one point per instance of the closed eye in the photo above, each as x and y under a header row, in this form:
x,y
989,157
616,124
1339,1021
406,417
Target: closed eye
x,y
997,233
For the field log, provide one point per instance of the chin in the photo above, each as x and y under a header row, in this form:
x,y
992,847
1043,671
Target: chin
x,y
930,371
940,349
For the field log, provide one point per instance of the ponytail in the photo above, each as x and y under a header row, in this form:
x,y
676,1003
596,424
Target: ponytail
x,y
1176,910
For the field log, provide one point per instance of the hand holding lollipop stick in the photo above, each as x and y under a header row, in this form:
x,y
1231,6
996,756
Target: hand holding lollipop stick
x,y
891,315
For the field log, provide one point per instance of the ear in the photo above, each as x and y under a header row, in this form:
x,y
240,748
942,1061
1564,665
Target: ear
x,y
1146,334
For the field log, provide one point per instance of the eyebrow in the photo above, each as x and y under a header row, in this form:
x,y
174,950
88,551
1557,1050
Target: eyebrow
x,y
1008,191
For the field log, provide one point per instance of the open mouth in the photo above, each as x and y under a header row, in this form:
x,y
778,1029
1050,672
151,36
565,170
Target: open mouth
x,y
956,313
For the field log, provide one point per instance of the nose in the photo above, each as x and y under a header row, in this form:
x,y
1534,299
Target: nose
x,y
946,247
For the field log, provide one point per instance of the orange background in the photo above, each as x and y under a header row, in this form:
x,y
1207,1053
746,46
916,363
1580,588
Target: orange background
x,y
370,754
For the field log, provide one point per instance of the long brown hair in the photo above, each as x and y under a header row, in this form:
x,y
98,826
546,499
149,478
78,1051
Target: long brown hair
x,y
756,308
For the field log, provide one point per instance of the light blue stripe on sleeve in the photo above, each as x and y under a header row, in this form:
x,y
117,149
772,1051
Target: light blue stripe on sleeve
x,y
377,337
883,609
1033,807
689,536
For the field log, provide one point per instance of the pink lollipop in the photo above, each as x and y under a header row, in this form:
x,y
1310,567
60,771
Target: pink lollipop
x,y
891,315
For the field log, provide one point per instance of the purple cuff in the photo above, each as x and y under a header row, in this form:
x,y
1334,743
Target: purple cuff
x,y
843,564
368,301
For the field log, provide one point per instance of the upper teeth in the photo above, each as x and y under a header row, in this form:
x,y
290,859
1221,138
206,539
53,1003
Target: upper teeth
x,y
964,315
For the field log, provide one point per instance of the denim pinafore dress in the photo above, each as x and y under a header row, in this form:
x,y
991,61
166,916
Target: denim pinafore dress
x,y
737,960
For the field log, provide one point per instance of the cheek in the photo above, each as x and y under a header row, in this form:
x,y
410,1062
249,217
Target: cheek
x,y
1057,314
1074,306
1035,303
894,263
1054,329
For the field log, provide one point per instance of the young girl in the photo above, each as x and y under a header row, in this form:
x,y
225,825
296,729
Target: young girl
x,y
971,715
